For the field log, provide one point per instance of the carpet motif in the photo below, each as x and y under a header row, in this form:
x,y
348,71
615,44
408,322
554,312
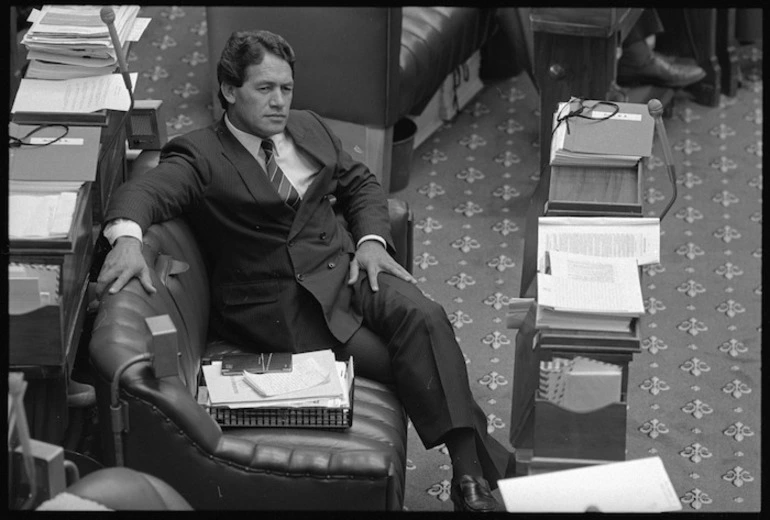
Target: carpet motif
x,y
694,390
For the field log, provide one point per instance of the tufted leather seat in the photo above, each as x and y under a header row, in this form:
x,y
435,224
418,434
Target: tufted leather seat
x,y
434,42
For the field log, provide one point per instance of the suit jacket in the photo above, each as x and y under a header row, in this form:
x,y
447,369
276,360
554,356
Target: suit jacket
x,y
274,272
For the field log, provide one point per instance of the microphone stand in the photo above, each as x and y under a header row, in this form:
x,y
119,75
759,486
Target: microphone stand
x,y
107,15
655,108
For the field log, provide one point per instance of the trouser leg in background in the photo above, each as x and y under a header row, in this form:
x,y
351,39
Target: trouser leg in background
x,y
428,368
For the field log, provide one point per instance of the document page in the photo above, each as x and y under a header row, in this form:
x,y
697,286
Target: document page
x,y
612,237
593,284
633,486
73,95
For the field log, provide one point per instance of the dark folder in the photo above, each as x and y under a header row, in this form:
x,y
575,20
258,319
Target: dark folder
x,y
627,133
72,158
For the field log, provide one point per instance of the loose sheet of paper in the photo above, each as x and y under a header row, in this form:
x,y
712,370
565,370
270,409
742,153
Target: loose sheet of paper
x,y
582,283
600,236
634,486
73,95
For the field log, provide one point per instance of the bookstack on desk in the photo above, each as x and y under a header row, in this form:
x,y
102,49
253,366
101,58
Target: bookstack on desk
x,y
71,41
596,158
588,204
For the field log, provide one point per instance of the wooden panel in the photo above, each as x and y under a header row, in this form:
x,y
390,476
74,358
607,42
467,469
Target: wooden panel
x,y
598,435
595,190
599,22
42,336
727,50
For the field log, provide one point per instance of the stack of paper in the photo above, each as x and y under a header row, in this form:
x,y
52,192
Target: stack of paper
x,y
598,138
33,216
67,41
588,292
316,380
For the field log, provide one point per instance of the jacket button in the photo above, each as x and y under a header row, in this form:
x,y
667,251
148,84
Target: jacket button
x,y
291,243
300,277
323,235
331,265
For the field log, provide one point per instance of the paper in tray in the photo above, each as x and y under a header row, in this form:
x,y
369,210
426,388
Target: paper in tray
x,y
290,417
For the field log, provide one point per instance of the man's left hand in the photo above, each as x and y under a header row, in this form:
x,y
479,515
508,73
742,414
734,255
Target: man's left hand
x,y
372,257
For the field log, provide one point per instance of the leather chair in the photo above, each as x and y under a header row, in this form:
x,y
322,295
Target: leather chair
x,y
167,434
118,489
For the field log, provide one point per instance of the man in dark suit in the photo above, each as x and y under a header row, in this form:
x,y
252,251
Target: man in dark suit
x,y
261,189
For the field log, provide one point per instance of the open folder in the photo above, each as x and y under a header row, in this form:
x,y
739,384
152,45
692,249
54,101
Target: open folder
x,y
633,486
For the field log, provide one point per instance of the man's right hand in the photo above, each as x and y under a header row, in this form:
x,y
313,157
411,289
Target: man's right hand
x,y
123,262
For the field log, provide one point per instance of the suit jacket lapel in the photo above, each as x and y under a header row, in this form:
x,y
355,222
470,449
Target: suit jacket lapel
x,y
310,145
253,175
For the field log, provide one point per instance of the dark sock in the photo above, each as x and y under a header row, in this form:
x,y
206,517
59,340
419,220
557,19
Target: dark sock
x,y
461,443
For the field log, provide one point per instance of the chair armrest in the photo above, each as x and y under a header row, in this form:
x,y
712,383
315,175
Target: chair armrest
x,y
402,231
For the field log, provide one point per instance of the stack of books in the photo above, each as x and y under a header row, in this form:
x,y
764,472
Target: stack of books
x,y
598,139
316,392
596,158
72,41
586,292
44,177
580,384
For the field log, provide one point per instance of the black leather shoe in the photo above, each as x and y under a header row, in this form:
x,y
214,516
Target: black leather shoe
x,y
472,494
659,71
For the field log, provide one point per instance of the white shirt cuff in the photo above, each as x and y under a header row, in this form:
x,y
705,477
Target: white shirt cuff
x,y
378,238
121,227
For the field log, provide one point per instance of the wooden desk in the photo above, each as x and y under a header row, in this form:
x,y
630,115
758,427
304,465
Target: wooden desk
x,y
43,344
548,437
575,55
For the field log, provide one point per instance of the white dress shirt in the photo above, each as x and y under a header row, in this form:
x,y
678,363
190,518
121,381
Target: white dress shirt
x,y
297,167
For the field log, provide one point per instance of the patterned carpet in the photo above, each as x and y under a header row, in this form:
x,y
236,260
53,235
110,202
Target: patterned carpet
x,y
695,389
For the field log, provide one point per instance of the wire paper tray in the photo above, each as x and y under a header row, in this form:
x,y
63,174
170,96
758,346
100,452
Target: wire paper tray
x,y
317,417
288,417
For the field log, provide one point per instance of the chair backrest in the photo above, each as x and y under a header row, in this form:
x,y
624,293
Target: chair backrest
x,y
333,46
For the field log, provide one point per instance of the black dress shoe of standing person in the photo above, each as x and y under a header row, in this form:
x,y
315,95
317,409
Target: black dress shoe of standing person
x,y
639,65
473,495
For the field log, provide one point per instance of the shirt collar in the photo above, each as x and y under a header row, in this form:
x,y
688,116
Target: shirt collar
x,y
251,141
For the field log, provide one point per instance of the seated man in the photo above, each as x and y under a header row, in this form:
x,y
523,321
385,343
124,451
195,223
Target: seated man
x,y
640,64
259,188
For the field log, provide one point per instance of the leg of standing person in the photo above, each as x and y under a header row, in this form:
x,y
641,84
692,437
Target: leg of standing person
x,y
430,377
640,64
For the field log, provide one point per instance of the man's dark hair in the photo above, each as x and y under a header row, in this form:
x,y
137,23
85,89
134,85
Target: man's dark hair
x,y
246,48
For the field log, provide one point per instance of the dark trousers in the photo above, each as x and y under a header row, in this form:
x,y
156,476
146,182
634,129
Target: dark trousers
x,y
419,356
649,23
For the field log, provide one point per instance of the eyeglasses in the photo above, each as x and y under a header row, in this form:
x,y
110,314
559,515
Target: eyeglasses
x,y
578,107
60,133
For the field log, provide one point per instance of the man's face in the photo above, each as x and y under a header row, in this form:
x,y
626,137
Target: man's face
x,y
261,105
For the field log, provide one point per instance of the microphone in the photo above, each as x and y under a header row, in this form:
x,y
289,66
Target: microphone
x,y
655,108
107,15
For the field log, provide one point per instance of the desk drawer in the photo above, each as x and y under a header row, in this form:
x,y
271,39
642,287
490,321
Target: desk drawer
x,y
47,286
595,191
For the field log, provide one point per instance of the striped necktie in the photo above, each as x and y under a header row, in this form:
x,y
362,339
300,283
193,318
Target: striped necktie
x,y
285,189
